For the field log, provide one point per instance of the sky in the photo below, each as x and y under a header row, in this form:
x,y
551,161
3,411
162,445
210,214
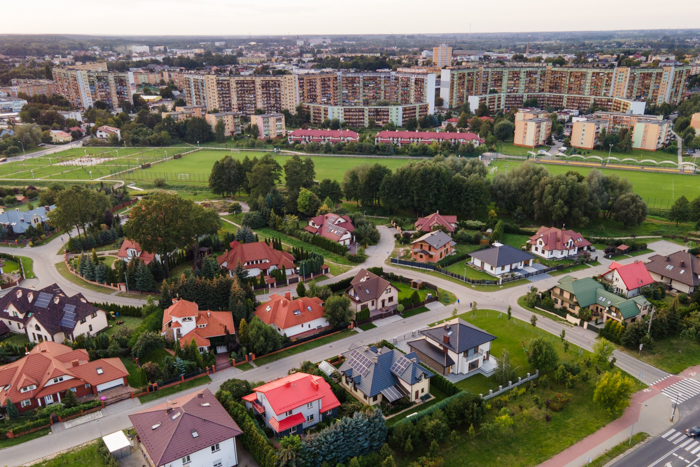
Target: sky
x,y
320,17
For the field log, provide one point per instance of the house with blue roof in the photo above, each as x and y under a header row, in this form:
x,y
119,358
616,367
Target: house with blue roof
x,y
374,375
19,221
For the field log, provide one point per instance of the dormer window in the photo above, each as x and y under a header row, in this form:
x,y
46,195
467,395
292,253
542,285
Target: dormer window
x,y
36,326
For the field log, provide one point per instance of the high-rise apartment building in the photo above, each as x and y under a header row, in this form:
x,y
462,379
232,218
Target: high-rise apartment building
x,y
532,127
442,56
83,85
269,125
29,87
649,132
503,87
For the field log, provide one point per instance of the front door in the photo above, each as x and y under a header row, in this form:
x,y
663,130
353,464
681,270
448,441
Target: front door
x,y
383,303
416,396
48,399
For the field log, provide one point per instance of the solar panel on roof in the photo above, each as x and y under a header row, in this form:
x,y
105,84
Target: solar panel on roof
x,y
43,300
359,362
400,365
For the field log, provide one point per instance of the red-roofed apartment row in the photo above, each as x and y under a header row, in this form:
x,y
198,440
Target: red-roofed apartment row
x,y
323,136
300,317
333,227
44,375
426,137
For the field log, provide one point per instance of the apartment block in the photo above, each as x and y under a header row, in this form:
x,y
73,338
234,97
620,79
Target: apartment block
x,y
584,132
695,122
503,87
532,127
359,116
651,135
442,56
11,104
83,85
269,125
232,122
30,87
146,78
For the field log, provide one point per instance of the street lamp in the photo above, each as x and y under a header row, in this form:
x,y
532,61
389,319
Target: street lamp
x,y
126,281
675,405
609,152
32,173
91,175
23,151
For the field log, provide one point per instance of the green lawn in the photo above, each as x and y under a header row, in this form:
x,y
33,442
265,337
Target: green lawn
x,y
568,270
405,291
521,302
28,264
515,240
438,396
513,150
304,347
129,322
10,266
178,270
245,366
16,339
134,378
461,268
63,271
671,354
157,356
640,252
415,311
294,242
368,326
174,389
7,442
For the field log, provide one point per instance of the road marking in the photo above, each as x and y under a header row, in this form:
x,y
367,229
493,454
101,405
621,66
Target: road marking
x,y
686,443
669,432
687,388
695,443
678,441
675,436
695,450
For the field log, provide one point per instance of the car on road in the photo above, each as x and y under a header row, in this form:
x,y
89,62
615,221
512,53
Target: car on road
x,y
693,432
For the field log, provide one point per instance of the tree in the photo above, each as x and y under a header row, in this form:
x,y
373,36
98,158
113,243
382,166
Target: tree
x,y
11,410
198,131
307,202
243,332
504,371
299,173
262,338
301,289
630,209
144,278
146,343
603,350
78,206
220,131
331,189
613,392
463,121
263,176
680,211
504,130
337,310
542,355
237,387
533,320
411,124
164,223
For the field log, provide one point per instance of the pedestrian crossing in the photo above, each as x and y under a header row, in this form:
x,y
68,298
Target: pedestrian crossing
x,y
679,439
682,390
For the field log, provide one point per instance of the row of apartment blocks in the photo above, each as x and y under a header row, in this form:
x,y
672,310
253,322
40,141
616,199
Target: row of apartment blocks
x,y
509,86
360,116
649,132
269,125
29,87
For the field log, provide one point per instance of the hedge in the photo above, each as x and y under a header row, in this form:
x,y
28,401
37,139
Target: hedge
x,y
42,422
123,310
76,410
443,384
362,315
317,240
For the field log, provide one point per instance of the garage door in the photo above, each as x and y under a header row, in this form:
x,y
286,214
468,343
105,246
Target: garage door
x,y
110,384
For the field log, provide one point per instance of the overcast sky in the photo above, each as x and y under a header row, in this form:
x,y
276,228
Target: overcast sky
x,y
300,17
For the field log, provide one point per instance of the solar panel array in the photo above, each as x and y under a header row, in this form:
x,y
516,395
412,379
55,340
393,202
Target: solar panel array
x,y
43,300
400,365
68,319
359,362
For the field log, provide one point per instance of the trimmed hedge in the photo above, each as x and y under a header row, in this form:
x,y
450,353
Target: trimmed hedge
x,y
123,310
76,410
317,240
42,422
362,315
443,384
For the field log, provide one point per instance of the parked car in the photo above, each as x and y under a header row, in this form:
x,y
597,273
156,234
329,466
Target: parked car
x,y
592,248
693,432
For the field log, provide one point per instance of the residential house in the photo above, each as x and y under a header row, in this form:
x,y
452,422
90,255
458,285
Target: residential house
x,y
192,430
105,132
432,247
679,271
294,318
369,291
323,136
455,348
17,221
554,243
501,259
131,249
333,227
59,136
373,375
294,403
44,375
183,321
628,279
256,257
573,295
50,315
426,224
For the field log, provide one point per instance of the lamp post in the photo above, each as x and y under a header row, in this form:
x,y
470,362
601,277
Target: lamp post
x,y
675,405
609,152
23,151
90,174
126,281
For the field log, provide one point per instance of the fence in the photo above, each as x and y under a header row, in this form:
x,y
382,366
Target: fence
x,y
510,386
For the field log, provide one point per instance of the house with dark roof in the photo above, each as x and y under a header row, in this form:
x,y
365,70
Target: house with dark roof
x,y
426,224
501,259
374,375
369,291
295,318
50,315
44,375
628,279
572,295
551,242
256,257
191,430
333,227
18,220
183,321
294,403
432,247
455,348
679,271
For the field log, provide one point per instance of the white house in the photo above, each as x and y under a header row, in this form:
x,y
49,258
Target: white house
x,y
550,242
628,279
679,270
105,132
130,250
455,348
294,318
193,430
256,257
501,259
294,403
333,227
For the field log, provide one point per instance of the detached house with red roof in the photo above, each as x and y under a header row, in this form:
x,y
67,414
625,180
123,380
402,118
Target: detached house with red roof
x,y
256,257
426,224
333,227
49,370
551,242
628,279
190,431
294,403
294,318
184,321
130,250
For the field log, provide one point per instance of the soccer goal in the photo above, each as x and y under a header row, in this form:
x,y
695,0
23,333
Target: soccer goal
x,y
493,170
235,150
183,176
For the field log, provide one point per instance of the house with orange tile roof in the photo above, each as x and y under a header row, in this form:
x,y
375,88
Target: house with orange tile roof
x,y
184,321
426,224
294,318
333,227
131,249
256,257
49,370
628,279
551,242
293,403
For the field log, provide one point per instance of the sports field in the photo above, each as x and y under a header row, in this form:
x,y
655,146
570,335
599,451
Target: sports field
x,y
659,190
196,167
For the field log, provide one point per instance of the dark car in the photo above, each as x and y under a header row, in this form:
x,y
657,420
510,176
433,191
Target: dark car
x,y
693,432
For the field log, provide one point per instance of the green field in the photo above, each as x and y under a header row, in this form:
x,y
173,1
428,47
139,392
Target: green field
x,y
659,190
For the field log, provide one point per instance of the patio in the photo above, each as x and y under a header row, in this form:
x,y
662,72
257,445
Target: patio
x,y
487,368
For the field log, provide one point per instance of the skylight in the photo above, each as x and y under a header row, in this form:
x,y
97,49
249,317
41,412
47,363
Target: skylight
x,y
297,312
100,371
206,404
308,308
176,415
195,434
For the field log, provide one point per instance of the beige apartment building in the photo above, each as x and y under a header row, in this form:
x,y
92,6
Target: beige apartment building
x,y
442,56
269,125
232,122
649,132
651,135
83,85
532,127
584,133
30,87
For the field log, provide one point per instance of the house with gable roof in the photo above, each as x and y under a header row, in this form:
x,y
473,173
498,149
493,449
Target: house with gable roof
x,y
432,247
294,318
130,250
628,279
501,259
426,224
551,242
44,375
333,227
369,291
256,257
192,430
184,321
373,375
679,270
291,404
20,220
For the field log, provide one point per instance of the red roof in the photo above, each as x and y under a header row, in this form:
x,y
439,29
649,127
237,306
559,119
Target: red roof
x,y
427,135
634,275
325,133
214,323
251,253
298,389
287,423
426,223
286,313
330,226
556,239
144,256
452,120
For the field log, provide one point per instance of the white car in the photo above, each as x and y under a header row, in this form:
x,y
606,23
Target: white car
x,y
563,149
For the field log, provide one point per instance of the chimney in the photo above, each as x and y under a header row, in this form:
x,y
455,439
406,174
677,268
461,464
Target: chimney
x,y
48,208
17,209
208,314
200,395
75,363
315,383
168,410
682,264
174,301
445,338
288,295
288,384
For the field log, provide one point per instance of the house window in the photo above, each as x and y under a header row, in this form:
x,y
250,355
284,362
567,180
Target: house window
x,y
309,405
93,316
82,321
218,463
87,385
374,399
90,327
36,326
391,299
26,402
422,391
48,399
215,448
289,413
310,418
73,389
57,380
293,429
186,460
329,412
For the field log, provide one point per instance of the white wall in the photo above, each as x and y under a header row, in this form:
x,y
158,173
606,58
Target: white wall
x,y
314,410
205,458
298,329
